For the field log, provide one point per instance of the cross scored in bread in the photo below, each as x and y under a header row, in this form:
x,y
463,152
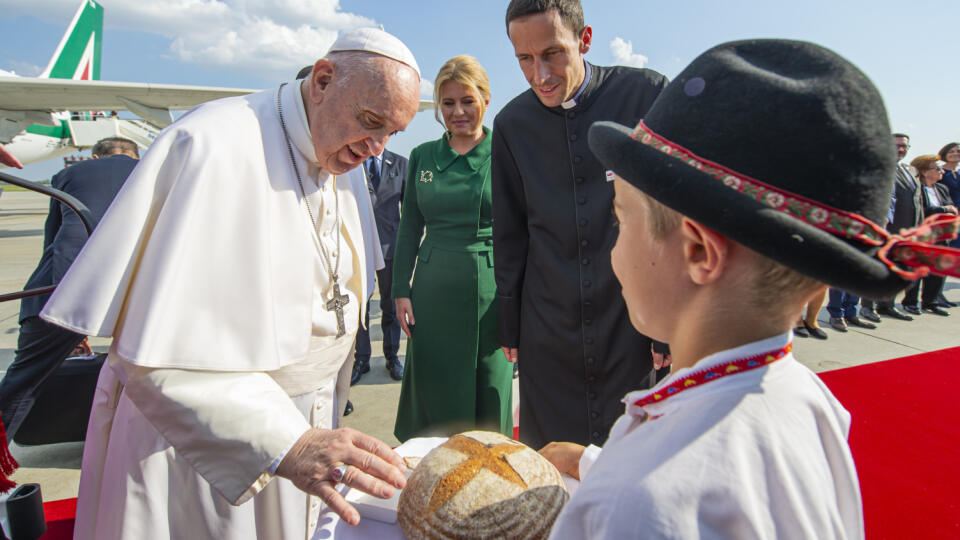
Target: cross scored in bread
x,y
492,457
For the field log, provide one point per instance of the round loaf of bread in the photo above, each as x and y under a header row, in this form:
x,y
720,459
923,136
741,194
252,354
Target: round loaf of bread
x,y
480,484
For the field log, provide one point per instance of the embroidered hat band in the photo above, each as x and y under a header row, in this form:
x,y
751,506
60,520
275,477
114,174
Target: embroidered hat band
x,y
913,248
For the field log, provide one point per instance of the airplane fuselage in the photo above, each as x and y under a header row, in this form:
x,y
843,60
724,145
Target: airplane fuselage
x,y
39,143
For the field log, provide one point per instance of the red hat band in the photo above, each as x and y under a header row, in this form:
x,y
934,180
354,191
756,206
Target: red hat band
x,y
912,248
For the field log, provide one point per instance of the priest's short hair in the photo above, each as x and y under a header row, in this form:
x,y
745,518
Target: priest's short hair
x,y
571,12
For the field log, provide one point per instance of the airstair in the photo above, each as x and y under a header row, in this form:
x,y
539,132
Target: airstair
x,y
85,130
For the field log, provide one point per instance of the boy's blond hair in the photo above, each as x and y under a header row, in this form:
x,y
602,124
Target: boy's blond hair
x,y
773,282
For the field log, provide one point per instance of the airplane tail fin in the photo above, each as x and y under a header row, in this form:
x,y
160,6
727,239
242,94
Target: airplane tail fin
x,y
78,55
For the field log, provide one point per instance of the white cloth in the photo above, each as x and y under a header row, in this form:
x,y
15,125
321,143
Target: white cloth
x,y
376,41
174,454
208,247
761,454
206,272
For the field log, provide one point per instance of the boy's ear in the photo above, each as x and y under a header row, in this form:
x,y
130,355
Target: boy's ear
x,y
705,252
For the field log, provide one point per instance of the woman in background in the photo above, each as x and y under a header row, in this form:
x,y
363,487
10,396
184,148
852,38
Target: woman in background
x,y
936,200
950,156
456,377
808,326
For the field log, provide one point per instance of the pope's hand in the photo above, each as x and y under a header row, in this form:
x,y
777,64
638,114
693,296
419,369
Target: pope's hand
x,y
371,466
405,315
565,456
512,353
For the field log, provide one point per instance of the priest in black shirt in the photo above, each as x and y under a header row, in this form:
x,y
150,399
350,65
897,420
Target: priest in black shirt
x,y
561,312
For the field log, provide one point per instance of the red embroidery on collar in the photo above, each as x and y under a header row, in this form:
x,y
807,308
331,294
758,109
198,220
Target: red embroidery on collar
x,y
701,377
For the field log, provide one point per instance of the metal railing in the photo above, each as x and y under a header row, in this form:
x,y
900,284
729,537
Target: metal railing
x,y
72,202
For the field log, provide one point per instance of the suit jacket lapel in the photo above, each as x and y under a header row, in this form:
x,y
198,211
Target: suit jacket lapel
x,y
386,164
905,175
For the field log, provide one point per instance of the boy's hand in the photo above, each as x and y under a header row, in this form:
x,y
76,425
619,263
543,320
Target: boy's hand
x,y
512,353
565,456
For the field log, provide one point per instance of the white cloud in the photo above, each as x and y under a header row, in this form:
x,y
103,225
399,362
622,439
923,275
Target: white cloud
x,y
274,37
426,89
623,52
22,69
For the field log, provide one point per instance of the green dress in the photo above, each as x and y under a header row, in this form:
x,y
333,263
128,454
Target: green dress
x,y
455,377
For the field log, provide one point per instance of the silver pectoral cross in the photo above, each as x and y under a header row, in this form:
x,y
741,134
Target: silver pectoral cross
x,y
336,304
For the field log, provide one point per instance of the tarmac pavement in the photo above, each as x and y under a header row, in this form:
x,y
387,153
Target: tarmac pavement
x,y
56,467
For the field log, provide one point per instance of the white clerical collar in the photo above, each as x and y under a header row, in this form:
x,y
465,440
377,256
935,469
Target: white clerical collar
x,y
572,102
297,124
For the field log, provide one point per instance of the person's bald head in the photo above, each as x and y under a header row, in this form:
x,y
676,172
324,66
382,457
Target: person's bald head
x,y
355,101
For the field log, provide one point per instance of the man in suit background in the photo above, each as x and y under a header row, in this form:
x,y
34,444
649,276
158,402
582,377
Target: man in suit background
x,y
41,346
385,179
907,212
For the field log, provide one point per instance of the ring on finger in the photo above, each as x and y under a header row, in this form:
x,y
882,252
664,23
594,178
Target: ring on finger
x,y
337,473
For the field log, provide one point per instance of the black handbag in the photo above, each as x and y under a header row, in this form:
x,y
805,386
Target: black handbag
x,y
62,408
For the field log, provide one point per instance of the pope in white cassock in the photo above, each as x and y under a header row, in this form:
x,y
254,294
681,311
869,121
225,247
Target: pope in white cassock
x,y
232,271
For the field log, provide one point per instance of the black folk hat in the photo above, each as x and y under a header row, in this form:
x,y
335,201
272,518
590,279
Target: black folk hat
x,y
784,147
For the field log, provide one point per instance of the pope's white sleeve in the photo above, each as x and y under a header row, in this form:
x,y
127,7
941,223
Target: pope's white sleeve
x,y
230,426
587,459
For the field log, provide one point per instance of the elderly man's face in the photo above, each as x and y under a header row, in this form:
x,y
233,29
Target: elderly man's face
x,y
350,123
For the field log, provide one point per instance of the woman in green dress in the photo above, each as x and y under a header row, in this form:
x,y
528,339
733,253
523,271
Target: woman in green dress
x,y
455,377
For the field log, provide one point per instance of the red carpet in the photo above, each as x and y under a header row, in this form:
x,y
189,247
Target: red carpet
x,y
905,442
904,439
59,515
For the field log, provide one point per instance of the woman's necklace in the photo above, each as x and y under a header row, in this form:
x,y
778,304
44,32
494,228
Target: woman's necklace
x,y
338,300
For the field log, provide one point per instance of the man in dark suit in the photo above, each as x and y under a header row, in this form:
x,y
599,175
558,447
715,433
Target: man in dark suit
x,y
907,213
385,178
41,346
559,304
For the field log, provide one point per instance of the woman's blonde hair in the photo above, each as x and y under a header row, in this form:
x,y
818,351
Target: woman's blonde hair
x,y
463,69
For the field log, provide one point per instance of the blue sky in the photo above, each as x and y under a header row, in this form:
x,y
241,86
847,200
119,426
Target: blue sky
x,y
907,49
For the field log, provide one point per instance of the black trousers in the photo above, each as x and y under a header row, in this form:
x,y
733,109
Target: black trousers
x,y
388,320
41,348
931,286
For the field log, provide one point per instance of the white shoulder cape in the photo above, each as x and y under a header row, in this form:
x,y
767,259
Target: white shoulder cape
x,y
205,258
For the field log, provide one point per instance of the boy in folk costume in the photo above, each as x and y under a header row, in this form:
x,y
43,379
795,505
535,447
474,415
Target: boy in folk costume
x,y
758,176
